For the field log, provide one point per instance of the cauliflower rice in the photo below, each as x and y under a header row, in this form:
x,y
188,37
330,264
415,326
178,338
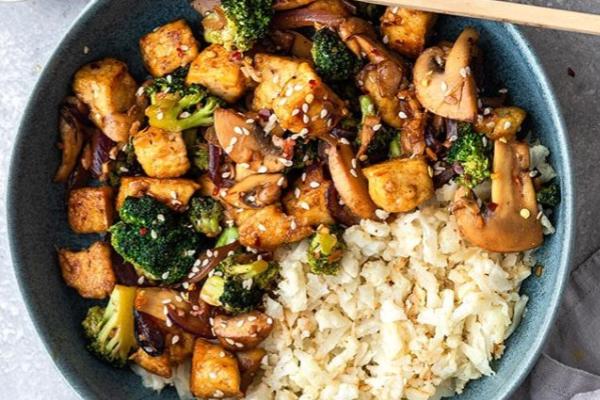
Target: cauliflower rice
x,y
414,313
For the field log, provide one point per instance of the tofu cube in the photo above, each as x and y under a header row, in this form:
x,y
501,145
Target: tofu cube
x,y
399,185
88,271
406,30
216,69
161,154
159,365
90,210
310,207
169,47
175,193
215,372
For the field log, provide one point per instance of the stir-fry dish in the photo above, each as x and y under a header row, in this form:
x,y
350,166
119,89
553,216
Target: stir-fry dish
x,y
304,199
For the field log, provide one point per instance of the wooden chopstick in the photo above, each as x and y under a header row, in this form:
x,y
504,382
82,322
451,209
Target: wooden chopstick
x,y
523,14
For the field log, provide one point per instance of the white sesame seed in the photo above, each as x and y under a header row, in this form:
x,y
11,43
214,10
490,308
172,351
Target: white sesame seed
x,y
262,169
160,115
314,184
205,262
281,181
353,173
244,165
503,91
344,141
165,275
239,345
297,193
270,321
295,112
293,224
262,228
169,322
212,375
376,127
229,341
141,280
298,87
309,98
525,213
153,234
275,78
86,50
303,177
160,218
218,393
304,205
286,162
305,107
289,92
444,86
303,131
354,163
381,214
487,111
305,119
324,113
386,39
430,171
507,125
184,47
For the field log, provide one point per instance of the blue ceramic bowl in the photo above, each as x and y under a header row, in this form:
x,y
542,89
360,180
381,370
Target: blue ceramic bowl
x,y
36,206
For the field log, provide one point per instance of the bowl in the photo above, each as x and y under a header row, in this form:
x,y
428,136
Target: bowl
x,y
36,212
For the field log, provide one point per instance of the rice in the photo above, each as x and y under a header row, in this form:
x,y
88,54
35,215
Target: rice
x,y
414,313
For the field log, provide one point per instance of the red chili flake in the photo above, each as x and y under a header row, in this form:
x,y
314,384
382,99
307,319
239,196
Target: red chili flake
x,y
571,72
312,83
236,56
143,231
264,114
492,206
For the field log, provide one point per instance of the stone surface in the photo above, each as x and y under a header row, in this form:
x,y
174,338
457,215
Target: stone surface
x,y
30,29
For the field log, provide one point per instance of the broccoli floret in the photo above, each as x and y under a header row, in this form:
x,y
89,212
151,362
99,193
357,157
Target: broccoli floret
x,y
174,113
471,153
239,287
395,150
205,215
152,239
228,236
145,211
173,83
125,164
197,150
333,60
110,330
386,140
246,22
325,251
549,195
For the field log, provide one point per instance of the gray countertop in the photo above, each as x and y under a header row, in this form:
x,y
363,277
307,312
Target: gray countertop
x,y
29,30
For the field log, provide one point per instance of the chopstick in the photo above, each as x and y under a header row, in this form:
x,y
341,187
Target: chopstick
x,y
523,14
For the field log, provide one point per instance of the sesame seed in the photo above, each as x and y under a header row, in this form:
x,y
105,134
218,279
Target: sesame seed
x,y
381,214
525,213
239,345
218,393
169,322
165,275
225,174
430,171
324,113
295,112
353,173
86,50
159,115
402,115
503,91
229,341
289,92
304,205
298,87
153,234
314,184
160,218
282,101
344,141
238,130
286,162
262,169
244,165
354,163
270,321
262,228
275,78
184,47
503,140
444,86
305,107
303,131
205,262
309,98
141,280
305,119
297,193
222,354
376,127
293,224
386,39
212,375
487,111
281,181
303,176
507,125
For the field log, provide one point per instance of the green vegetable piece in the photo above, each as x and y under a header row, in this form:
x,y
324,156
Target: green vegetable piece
x,y
110,330
325,251
471,153
205,214
247,21
333,60
549,195
145,211
175,114
213,288
228,236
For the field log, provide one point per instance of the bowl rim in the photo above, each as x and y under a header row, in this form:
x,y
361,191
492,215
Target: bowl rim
x,y
81,389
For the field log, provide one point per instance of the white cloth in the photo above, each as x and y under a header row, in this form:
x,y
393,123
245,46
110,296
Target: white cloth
x,y
569,368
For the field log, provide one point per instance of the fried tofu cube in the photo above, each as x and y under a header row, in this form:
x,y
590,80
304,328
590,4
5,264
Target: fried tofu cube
x,y
406,30
215,372
161,154
269,227
302,102
169,47
110,91
309,208
399,185
88,271
175,193
158,365
502,122
90,210
216,69
181,349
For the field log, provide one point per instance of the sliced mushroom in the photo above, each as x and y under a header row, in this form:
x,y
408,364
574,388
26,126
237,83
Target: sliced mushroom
x,y
349,30
443,79
510,223
71,142
349,180
279,5
323,12
256,191
243,331
242,140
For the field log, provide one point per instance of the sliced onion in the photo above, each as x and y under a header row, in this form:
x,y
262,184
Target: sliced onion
x,y
101,147
196,322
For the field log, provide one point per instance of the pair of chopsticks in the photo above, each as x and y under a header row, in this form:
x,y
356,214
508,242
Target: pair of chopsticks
x,y
507,12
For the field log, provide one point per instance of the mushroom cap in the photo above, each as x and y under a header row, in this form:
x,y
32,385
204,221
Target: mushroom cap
x,y
510,225
443,80
256,191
